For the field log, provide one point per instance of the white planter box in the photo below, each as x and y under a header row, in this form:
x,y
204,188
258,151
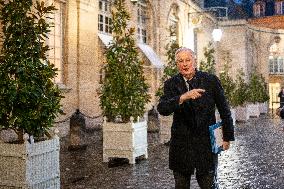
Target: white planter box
x,y
263,108
242,113
253,110
233,114
165,128
30,166
125,140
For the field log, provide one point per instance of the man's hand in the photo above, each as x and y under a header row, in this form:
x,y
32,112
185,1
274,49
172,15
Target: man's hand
x,y
192,94
226,145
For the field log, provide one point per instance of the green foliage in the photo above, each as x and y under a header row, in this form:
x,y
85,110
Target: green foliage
x,y
257,88
171,68
29,99
124,90
241,93
264,95
227,81
208,65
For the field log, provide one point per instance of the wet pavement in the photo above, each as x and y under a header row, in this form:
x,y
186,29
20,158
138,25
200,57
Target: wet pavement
x,y
254,161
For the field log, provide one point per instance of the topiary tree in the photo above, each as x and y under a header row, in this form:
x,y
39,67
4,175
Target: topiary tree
x,y
171,68
257,88
124,90
227,81
240,95
208,65
264,95
29,99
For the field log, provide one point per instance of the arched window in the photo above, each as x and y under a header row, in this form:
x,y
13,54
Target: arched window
x,y
104,18
56,36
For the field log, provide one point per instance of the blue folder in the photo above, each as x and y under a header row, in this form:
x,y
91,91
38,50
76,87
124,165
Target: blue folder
x,y
216,137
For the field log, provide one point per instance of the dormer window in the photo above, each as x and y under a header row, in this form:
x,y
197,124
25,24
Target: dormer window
x,y
259,9
279,7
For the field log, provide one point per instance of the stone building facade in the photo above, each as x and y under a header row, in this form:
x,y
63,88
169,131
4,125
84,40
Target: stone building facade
x,y
83,31
256,42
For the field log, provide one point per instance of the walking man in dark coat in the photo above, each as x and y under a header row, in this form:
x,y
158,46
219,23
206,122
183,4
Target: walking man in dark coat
x,y
192,96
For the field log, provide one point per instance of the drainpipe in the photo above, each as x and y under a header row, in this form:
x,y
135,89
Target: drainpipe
x,y
78,56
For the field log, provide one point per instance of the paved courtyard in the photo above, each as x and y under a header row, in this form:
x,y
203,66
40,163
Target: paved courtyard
x,y
254,161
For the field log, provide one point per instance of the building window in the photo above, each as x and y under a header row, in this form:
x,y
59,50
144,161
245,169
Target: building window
x,y
276,65
141,20
279,7
259,9
55,38
173,24
104,18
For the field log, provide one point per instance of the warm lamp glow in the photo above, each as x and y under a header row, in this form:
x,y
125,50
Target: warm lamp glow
x,y
217,34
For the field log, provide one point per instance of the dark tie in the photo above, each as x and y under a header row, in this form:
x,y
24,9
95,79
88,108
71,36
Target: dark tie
x,y
190,87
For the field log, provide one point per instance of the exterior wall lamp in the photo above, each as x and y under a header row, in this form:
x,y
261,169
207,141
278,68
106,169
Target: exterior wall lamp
x,y
134,1
217,34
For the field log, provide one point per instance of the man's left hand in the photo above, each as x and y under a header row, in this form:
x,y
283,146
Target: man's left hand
x,y
226,145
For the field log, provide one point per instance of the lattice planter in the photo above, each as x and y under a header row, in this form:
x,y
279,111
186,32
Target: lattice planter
x,y
30,166
242,113
165,128
253,109
263,108
125,140
233,114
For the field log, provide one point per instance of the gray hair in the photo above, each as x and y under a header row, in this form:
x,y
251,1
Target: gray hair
x,y
181,49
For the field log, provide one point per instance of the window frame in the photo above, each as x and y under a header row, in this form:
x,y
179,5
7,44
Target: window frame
x,y
259,9
55,40
142,21
105,17
276,65
279,7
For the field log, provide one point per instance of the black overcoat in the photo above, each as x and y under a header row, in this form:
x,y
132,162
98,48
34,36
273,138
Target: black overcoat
x,y
190,142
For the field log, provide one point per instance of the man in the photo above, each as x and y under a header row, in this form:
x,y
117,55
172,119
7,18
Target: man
x,y
281,96
192,95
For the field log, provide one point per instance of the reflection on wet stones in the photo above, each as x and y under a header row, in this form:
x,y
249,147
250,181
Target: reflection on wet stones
x,y
254,161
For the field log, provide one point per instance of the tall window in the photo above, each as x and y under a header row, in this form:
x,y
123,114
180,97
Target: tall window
x,y
279,7
104,18
141,19
259,9
55,40
276,65
173,24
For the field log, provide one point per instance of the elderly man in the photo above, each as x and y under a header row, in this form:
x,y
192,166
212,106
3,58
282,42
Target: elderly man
x,y
192,95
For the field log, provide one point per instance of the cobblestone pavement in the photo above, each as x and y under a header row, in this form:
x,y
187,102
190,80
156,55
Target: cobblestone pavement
x,y
254,161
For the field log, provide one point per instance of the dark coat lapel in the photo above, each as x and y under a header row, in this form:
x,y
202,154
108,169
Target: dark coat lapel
x,y
180,84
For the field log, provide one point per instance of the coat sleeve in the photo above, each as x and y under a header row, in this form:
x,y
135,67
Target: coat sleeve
x,y
169,102
224,110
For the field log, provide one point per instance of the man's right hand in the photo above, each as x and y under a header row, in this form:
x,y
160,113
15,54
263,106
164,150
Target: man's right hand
x,y
192,94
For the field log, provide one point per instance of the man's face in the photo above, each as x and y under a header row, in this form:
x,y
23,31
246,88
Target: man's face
x,y
186,64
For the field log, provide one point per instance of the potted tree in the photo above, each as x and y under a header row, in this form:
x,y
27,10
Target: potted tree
x,y
254,94
208,65
124,93
169,71
228,84
29,99
240,97
264,96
